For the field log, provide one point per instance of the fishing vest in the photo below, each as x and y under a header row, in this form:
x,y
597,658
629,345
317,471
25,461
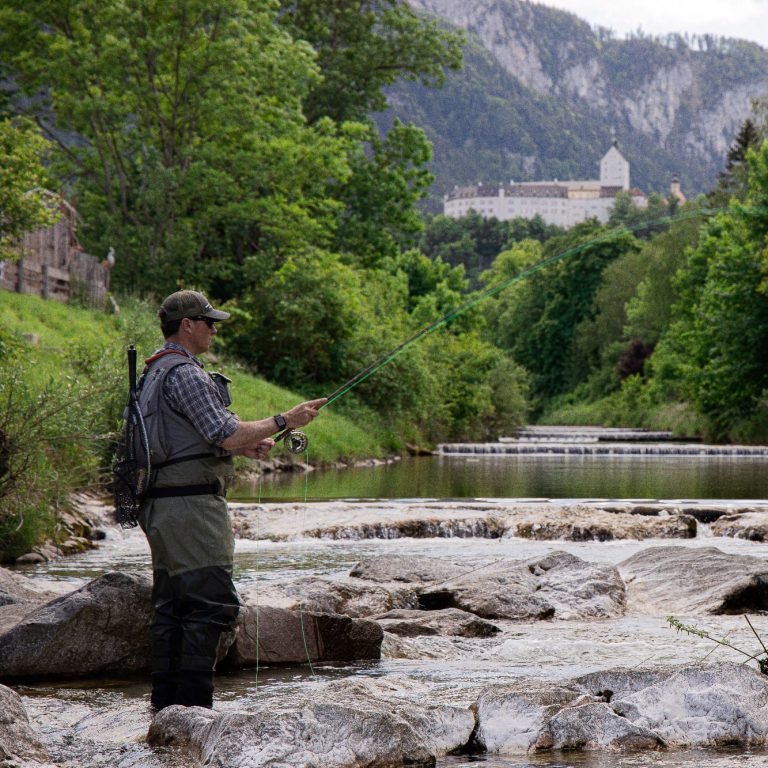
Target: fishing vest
x,y
183,461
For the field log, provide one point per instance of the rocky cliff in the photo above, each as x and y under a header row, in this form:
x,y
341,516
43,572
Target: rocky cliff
x,y
542,93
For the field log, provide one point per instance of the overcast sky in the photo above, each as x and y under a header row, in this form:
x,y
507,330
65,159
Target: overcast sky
x,y
747,19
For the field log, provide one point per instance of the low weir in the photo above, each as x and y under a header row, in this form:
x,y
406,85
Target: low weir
x,y
601,449
596,441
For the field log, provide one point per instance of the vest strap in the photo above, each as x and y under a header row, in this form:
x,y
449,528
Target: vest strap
x,y
211,489
181,459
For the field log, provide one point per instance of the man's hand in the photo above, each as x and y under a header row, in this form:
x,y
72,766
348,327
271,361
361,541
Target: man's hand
x,y
259,451
301,414
249,437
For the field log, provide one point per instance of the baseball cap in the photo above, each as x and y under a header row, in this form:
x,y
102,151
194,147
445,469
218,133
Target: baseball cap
x,y
189,304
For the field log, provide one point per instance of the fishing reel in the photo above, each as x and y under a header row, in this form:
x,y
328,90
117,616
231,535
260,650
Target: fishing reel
x,y
294,441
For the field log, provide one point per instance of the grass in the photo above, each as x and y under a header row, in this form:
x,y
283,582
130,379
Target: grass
x,y
63,329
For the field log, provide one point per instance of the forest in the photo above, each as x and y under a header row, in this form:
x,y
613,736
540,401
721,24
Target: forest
x,y
231,147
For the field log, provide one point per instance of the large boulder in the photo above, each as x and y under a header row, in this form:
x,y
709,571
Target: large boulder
x,y
19,741
694,580
622,709
586,523
339,725
101,627
694,705
449,621
558,585
350,598
269,635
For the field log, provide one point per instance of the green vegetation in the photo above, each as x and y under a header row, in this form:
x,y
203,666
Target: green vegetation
x,y
63,386
25,203
493,124
230,147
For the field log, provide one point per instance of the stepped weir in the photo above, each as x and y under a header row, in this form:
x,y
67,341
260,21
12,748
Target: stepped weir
x,y
597,441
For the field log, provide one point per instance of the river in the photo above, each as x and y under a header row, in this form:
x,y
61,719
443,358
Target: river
x,y
557,477
102,723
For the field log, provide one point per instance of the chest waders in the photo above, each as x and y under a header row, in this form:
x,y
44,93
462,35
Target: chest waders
x,y
187,525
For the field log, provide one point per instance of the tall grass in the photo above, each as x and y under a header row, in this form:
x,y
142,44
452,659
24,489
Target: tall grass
x,y
63,387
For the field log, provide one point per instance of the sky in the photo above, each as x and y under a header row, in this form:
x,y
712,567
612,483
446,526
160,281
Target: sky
x,y
747,19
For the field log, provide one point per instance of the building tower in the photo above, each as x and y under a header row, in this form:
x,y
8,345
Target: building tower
x,y
614,169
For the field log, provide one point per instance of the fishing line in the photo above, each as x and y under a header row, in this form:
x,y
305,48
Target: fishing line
x,y
492,290
301,604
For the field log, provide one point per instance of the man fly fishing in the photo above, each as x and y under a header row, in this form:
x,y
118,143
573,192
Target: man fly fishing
x,y
192,435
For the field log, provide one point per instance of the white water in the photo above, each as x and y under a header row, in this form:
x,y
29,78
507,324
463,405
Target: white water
x,y
102,723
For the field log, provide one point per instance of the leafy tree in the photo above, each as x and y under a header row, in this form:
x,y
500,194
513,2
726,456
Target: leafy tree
x,y
732,182
25,204
538,331
388,177
716,343
363,47
474,241
182,126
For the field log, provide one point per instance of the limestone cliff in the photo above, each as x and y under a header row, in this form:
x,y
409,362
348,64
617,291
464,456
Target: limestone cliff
x,y
675,104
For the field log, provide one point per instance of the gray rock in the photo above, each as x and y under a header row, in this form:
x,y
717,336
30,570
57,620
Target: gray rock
x,y
102,627
701,580
751,525
691,705
418,570
15,588
559,585
583,523
325,596
449,621
688,706
342,725
19,741
276,636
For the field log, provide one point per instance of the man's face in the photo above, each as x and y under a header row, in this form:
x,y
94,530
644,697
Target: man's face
x,y
201,333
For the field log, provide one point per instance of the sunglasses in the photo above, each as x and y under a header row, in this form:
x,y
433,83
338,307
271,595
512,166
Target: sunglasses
x,y
209,321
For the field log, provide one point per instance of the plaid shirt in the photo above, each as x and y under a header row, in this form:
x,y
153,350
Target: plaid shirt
x,y
190,392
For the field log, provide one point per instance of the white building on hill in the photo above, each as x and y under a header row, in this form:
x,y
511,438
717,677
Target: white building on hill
x,y
564,203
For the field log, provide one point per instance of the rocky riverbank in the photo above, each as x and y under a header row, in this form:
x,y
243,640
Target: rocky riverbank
x,y
393,609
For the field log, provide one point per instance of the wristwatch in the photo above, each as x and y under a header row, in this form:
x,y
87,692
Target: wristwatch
x,y
280,421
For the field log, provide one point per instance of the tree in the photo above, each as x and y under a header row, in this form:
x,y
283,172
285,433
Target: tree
x,y
364,46
25,204
717,341
388,177
732,182
538,330
182,127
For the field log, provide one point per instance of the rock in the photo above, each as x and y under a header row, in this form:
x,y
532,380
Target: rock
x,y
19,741
701,580
583,523
694,705
512,718
449,621
751,525
15,588
31,558
559,584
325,596
275,636
339,725
102,627
420,570
621,709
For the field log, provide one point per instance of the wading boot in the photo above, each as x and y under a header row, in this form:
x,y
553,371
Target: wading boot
x,y
195,688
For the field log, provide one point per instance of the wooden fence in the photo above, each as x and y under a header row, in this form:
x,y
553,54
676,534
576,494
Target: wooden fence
x,y
53,266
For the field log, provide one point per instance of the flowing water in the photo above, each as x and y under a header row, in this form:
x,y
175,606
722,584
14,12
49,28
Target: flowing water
x,y
547,476
102,723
